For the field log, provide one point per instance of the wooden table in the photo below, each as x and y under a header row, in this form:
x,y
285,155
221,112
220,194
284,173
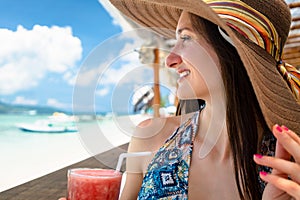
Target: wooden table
x,y
54,185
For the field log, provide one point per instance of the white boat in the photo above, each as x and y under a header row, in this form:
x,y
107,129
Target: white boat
x,y
57,123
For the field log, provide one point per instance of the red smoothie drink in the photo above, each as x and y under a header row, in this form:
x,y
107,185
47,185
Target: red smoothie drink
x,y
93,184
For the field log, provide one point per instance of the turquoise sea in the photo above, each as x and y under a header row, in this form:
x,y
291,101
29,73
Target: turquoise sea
x,y
26,156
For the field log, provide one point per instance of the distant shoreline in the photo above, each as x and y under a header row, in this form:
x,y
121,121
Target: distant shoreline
x,y
29,156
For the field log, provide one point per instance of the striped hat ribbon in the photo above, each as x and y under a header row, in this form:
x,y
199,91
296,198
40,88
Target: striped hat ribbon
x,y
256,27
250,23
292,77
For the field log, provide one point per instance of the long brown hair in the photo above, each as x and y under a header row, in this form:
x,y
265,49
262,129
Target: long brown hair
x,y
243,113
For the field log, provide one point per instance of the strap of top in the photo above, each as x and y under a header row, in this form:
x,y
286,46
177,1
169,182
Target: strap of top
x,y
167,174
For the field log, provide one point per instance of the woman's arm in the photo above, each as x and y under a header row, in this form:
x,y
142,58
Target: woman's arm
x,y
134,174
132,186
136,166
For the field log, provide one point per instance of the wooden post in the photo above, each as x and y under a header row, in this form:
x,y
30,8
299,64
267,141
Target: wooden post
x,y
156,101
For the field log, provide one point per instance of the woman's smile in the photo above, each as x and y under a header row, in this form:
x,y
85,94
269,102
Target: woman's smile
x,y
183,73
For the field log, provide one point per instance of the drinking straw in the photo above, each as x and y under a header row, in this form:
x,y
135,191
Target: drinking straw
x,y
133,154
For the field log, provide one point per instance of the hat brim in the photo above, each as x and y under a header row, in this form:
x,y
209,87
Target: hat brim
x,y
277,102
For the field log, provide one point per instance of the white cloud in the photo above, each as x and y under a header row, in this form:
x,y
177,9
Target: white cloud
x,y
113,69
23,101
70,77
118,18
27,55
87,77
102,92
126,63
123,21
114,76
55,103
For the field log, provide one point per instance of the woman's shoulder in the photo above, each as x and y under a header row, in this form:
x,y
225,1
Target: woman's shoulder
x,y
151,133
173,119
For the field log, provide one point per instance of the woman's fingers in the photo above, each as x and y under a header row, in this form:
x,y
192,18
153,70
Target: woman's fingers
x,y
287,145
292,134
281,168
289,186
285,174
288,140
280,152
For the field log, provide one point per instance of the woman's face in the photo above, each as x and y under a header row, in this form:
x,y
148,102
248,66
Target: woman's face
x,y
195,61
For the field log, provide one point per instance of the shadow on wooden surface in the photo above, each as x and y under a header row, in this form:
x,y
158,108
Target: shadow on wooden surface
x,y
54,185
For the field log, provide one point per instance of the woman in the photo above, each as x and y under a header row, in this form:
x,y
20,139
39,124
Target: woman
x,y
226,150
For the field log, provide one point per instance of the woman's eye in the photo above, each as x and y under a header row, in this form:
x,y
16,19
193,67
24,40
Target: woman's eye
x,y
185,37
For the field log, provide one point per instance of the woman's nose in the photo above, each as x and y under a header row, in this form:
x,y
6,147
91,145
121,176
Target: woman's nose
x,y
173,60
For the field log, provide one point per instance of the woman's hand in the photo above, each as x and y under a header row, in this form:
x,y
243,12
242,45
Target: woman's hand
x,y
284,181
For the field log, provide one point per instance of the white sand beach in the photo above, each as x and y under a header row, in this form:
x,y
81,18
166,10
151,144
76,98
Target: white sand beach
x,y
26,156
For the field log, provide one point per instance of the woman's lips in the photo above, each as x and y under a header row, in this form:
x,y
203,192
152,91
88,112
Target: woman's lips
x,y
183,73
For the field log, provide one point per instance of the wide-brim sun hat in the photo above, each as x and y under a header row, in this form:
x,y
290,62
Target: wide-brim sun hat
x,y
258,30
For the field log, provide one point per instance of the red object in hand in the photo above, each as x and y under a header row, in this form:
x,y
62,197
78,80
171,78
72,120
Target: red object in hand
x,y
93,184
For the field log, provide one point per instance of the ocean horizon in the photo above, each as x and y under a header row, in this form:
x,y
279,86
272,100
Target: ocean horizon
x,y
28,155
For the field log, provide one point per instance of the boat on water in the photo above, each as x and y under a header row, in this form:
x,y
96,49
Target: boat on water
x,y
56,123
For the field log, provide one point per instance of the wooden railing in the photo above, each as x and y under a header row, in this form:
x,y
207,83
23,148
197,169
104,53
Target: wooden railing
x,y
54,185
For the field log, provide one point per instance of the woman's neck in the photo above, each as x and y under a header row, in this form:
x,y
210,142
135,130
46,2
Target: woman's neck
x,y
212,133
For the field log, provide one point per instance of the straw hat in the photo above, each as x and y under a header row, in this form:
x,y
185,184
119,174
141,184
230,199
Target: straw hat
x,y
257,28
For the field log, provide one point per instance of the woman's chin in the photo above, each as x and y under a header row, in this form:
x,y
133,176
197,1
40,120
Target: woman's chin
x,y
186,94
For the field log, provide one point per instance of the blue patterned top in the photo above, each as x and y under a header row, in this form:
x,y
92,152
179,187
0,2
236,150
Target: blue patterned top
x,y
167,174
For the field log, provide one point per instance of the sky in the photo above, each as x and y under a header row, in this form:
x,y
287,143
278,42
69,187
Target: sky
x,y
51,49
72,55
45,43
